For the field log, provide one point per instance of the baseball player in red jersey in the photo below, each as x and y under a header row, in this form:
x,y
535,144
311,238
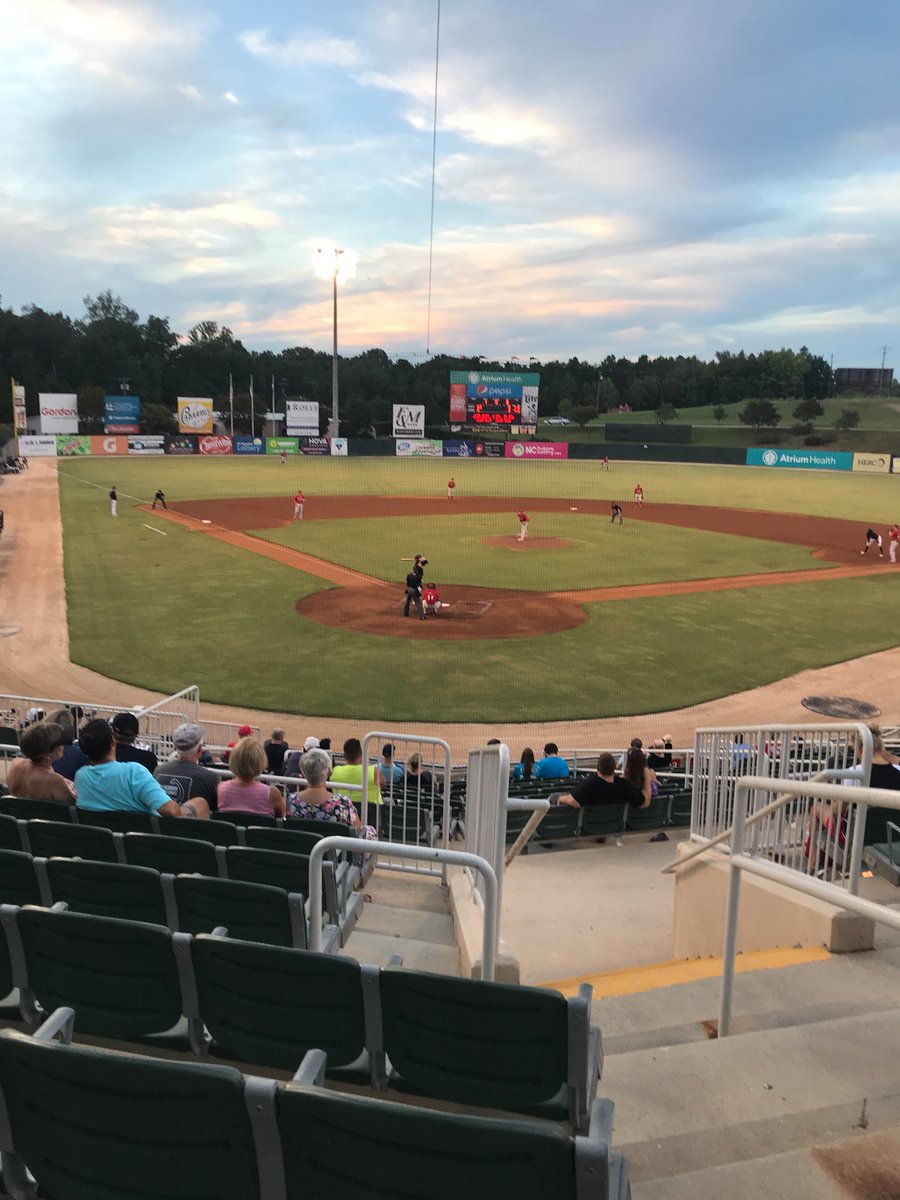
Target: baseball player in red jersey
x,y
894,538
451,487
523,525
639,496
298,505
283,457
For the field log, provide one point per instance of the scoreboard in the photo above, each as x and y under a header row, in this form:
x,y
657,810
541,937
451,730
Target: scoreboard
x,y
485,398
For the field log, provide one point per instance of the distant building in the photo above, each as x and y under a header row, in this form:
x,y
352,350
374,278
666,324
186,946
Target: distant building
x,y
863,379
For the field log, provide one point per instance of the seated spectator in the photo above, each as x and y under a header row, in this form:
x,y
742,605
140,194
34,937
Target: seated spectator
x,y
246,792
325,744
639,775
524,768
125,729
392,772
606,787
634,744
33,776
72,756
107,785
317,803
419,782
183,777
276,748
656,760
243,731
551,766
350,771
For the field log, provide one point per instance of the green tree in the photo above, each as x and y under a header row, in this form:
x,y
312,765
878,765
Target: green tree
x,y
156,418
719,413
608,395
759,414
666,412
807,410
848,419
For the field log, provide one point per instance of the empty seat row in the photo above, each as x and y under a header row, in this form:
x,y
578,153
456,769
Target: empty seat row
x,y
493,1045
116,1124
561,823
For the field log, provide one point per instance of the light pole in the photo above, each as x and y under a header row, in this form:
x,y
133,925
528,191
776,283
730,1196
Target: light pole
x,y
332,262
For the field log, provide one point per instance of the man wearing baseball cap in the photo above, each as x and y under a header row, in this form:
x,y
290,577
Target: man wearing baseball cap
x,y
125,729
182,778
243,731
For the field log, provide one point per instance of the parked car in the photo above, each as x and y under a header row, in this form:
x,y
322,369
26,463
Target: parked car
x,y
557,421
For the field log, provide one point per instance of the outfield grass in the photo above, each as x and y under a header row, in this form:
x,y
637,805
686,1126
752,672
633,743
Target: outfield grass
x,y
162,612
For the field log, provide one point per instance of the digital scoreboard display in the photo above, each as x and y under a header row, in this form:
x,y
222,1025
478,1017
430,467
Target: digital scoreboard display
x,y
480,398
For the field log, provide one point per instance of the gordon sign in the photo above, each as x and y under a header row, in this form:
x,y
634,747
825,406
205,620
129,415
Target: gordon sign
x,y
59,412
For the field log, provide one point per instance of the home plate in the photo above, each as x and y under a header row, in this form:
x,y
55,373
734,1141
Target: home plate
x,y
573,509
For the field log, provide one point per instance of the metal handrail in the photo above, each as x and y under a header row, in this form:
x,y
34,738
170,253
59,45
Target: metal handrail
x,y
820,889
435,854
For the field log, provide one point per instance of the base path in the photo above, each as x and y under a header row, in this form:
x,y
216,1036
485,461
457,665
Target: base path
x,y
34,660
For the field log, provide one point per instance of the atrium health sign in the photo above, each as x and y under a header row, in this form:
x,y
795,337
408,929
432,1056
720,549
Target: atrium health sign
x,y
815,460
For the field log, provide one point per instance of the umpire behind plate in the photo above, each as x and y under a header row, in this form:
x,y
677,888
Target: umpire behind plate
x,y
414,587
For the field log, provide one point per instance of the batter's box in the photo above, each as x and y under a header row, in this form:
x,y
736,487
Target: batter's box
x,y
472,608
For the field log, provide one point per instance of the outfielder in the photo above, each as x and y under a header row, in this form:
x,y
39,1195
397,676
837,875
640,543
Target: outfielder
x,y
523,525
299,501
639,495
451,487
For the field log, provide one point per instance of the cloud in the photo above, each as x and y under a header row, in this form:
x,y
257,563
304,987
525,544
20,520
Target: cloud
x,y
301,49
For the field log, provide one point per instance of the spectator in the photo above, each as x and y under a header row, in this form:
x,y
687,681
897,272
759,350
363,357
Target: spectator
x,y
33,776
276,748
325,744
183,777
606,787
125,729
524,768
551,766
634,744
72,756
350,771
639,775
317,803
419,782
660,761
392,772
106,784
246,792
292,761
243,731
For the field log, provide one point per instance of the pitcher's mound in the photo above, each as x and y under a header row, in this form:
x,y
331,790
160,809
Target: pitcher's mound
x,y
470,613
533,543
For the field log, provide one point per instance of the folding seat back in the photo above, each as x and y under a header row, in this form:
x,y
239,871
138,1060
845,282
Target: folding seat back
x,y
171,855
26,809
559,824
117,1125
121,977
269,1005
290,841
57,839
680,807
20,881
516,820
108,890
236,817
250,912
9,833
323,828
118,822
276,868
220,833
405,823
600,820
651,817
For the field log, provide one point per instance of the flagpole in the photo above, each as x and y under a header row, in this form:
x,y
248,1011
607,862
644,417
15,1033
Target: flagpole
x,y
252,417
231,401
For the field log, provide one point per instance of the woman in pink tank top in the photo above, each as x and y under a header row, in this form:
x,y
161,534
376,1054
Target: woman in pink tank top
x,y
245,793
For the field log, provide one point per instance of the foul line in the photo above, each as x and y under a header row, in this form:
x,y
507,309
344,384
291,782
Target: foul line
x,y
155,530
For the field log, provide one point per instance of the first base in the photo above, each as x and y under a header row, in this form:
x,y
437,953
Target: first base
x,y
573,509
205,522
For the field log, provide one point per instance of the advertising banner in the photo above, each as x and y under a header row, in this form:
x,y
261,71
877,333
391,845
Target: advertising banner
x,y
872,464
529,405
302,418
59,412
537,450
108,445
153,443
457,403
195,414
409,420
817,460
339,447
18,398
458,448
489,449
242,444
68,445
37,446
279,445
122,414
419,448
216,443
180,443
314,445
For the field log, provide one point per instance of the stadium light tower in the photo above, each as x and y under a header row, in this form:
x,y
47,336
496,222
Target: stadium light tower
x,y
332,262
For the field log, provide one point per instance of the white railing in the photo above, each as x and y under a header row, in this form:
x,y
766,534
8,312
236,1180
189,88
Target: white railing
x,y
436,855
828,798
487,793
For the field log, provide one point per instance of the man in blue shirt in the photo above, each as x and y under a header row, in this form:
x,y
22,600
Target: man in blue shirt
x,y
551,766
105,785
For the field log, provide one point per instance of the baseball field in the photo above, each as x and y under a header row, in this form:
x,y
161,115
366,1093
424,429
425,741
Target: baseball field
x,y
727,578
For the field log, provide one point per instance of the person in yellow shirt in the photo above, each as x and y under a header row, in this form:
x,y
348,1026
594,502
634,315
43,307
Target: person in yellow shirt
x,y
350,771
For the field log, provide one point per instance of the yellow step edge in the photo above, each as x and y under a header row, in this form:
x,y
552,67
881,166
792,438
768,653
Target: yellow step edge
x,y
628,980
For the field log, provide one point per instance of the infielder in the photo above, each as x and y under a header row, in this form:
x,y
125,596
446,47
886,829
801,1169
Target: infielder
x,y
639,496
894,537
298,505
451,487
160,498
113,501
616,511
873,539
523,525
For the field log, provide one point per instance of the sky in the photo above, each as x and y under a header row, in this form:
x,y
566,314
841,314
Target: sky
x,y
610,178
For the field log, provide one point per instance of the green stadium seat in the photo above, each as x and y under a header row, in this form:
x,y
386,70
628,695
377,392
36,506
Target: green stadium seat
x,y
406,823
235,817
58,839
290,841
250,912
20,879
491,1045
276,868
680,804
25,808
654,816
10,838
559,824
118,822
108,890
173,855
323,828
220,833
516,820
602,820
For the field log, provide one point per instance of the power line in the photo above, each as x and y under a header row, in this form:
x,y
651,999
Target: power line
x,y
437,58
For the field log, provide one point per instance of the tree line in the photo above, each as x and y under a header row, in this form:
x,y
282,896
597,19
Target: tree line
x,y
109,349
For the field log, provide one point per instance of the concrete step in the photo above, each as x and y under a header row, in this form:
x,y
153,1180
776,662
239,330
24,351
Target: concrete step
x,y
379,948
863,1165
723,1101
